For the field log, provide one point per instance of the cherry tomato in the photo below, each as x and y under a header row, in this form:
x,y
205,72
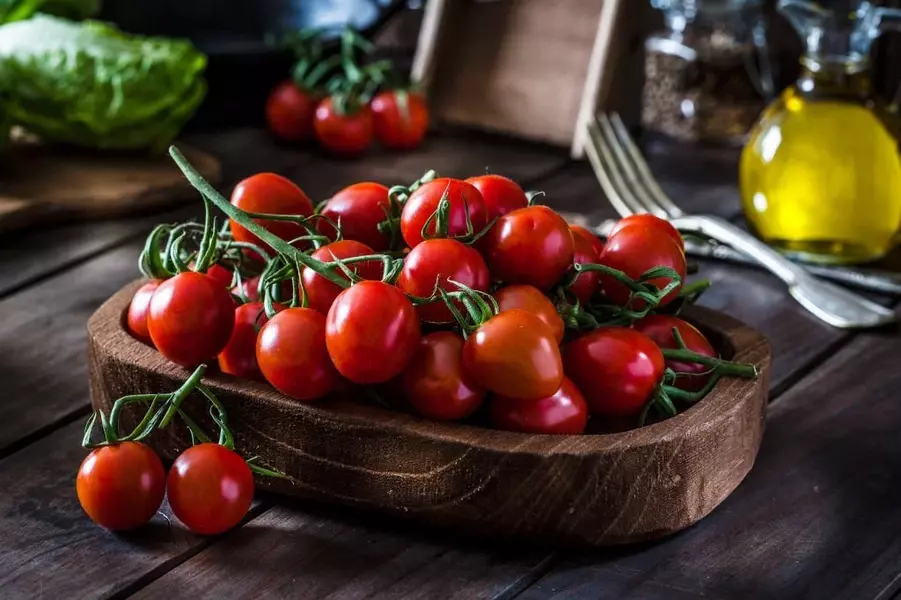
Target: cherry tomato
x,y
651,222
431,264
586,284
530,245
635,250
239,355
221,274
514,354
501,195
372,331
435,384
346,134
531,300
596,242
121,487
359,208
463,198
693,376
249,289
209,488
137,311
616,369
564,412
400,118
289,112
191,318
321,292
273,194
292,354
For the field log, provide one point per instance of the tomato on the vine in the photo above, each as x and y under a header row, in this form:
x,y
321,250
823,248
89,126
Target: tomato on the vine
x,y
221,274
359,208
191,318
514,354
422,204
532,300
209,488
586,284
616,368
292,354
690,376
239,357
121,486
320,292
400,118
435,383
501,195
289,112
430,265
563,412
635,250
138,309
272,194
344,134
649,221
530,245
249,289
372,332
596,242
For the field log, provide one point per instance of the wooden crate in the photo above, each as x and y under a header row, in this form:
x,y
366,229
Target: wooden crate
x,y
533,68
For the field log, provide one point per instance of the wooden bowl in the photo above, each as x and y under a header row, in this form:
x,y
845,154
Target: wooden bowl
x,y
589,489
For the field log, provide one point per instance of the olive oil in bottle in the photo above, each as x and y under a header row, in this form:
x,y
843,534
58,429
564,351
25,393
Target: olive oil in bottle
x,y
821,174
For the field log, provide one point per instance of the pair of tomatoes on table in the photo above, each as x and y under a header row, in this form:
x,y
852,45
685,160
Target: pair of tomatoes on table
x,y
398,119
455,299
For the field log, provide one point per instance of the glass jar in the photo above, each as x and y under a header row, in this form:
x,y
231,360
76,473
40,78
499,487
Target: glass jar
x,y
708,74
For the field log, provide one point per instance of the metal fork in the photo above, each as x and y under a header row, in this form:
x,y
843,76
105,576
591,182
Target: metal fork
x,y
631,188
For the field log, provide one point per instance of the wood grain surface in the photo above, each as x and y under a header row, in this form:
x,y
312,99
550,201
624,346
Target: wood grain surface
x,y
594,489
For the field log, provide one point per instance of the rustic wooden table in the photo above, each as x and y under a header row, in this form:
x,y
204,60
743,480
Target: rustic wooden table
x,y
818,517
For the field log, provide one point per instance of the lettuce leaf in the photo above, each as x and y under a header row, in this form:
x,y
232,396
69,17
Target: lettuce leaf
x,y
90,84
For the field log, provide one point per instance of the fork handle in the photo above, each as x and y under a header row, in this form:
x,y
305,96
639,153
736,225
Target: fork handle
x,y
831,303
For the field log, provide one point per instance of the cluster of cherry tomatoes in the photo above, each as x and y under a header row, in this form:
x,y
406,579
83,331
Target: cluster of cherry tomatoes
x,y
452,298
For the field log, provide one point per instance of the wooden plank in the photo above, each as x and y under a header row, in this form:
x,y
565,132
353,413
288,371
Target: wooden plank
x,y
48,546
302,551
817,518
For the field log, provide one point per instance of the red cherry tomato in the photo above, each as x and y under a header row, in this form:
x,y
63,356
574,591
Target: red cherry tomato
x,y
616,369
586,284
289,112
693,376
431,264
435,384
501,195
463,198
239,356
137,311
531,245
651,222
121,487
596,242
292,354
635,250
372,331
359,208
249,289
400,118
514,354
209,488
564,412
191,318
321,292
531,300
221,274
273,194
346,134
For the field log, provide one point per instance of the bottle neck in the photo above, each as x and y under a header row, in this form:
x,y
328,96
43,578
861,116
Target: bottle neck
x,y
835,78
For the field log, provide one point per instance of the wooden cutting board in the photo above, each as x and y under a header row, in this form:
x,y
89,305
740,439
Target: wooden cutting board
x,y
41,184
